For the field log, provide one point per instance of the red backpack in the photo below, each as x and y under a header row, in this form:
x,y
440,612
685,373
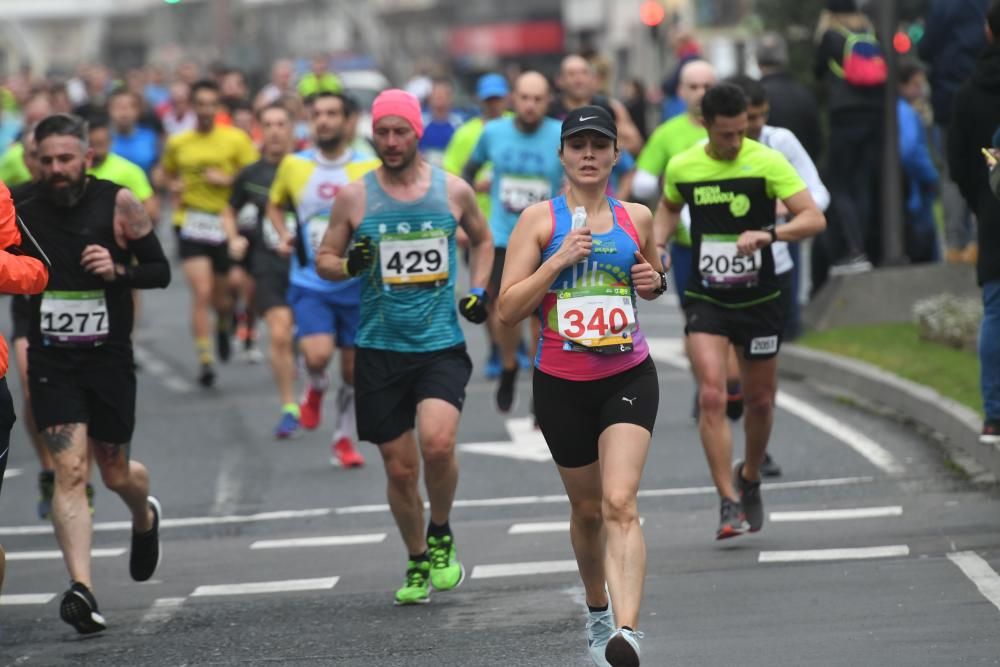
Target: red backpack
x,y
863,64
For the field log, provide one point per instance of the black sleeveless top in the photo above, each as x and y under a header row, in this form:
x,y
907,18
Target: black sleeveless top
x,y
63,233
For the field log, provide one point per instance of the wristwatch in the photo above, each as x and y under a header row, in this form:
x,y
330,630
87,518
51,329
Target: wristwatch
x,y
663,283
773,231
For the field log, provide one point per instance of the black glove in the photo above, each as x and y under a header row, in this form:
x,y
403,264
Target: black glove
x,y
473,307
359,257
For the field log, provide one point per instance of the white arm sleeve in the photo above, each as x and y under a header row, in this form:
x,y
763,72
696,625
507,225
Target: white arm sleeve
x,y
786,143
644,185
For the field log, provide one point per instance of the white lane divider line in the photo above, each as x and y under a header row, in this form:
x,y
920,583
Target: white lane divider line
x,y
12,472
56,554
282,515
258,587
838,514
876,454
328,541
26,598
671,351
161,371
523,569
980,573
163,610
546,527
815,555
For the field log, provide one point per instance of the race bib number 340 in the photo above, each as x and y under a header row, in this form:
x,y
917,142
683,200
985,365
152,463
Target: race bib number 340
x,y
75,318
416,258
600,319
721,264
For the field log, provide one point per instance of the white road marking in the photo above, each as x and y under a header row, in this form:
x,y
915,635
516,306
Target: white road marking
x,y
876,454
980,573
161,371
671,351
163,610
329,541
254,588
812,555
27,598
839,514
227,483
526,443
523,569
546,527
282,515
12,472
56,554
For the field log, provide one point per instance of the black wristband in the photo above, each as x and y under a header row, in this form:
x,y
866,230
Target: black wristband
x,y
773,231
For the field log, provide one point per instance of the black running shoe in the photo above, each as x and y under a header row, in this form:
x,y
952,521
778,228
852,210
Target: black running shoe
x,y
223,346
753,506
206,377
79,609
732,520
505,392
145,553
769,468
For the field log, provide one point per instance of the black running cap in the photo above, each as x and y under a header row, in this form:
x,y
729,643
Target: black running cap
x,y
590,118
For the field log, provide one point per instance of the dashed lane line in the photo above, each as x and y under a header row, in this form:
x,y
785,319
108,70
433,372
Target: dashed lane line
x,y
327,541
257,587
980,573
161,371
523,569
57,555
282,515
26,598
838,514
159,614
816,555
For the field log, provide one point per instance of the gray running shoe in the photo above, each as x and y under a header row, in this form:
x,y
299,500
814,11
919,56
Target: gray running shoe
x,y
600,627
769,468
753,506
732,521
623,648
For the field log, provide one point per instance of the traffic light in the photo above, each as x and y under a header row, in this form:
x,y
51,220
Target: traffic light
x,y
651,13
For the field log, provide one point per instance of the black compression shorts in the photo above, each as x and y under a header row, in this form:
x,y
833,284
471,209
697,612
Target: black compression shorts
x,y
572,414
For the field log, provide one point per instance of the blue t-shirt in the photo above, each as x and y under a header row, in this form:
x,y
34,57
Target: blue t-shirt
x,y
141,147
437,134
526,170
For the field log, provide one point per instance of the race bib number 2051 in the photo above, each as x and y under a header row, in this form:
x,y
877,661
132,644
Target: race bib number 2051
x,y
721,264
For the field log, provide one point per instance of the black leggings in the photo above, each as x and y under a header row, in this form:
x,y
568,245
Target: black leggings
x,y
7,419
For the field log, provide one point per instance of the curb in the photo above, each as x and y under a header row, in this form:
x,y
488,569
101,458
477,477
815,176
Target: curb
x,y
957,425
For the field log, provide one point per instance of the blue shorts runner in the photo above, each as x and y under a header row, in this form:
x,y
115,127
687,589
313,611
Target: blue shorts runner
x,y
324,313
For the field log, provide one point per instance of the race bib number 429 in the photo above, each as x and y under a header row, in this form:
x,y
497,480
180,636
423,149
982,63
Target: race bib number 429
x,y
601,319
416,258
721,264
75,318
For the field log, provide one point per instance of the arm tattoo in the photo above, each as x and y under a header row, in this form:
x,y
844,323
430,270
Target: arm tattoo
x,y
59,438
133,214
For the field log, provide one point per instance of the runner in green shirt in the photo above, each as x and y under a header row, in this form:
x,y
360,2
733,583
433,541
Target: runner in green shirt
x,y
118,170
730,185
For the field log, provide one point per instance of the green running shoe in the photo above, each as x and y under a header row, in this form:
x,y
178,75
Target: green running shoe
x,y
446,572
417,589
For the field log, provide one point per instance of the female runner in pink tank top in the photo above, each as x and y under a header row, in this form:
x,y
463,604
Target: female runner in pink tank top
x,y
595,386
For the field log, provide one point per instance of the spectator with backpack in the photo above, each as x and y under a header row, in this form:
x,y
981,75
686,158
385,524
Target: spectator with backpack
x,y
850,62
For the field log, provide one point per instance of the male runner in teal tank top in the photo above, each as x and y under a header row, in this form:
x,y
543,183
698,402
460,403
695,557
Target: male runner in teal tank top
x,y
411,366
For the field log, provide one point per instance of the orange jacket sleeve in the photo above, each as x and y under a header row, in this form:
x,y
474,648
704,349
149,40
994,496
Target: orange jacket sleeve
x,y
19,274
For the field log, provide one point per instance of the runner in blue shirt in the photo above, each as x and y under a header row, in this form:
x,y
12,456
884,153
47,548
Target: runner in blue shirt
x,y
524,151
